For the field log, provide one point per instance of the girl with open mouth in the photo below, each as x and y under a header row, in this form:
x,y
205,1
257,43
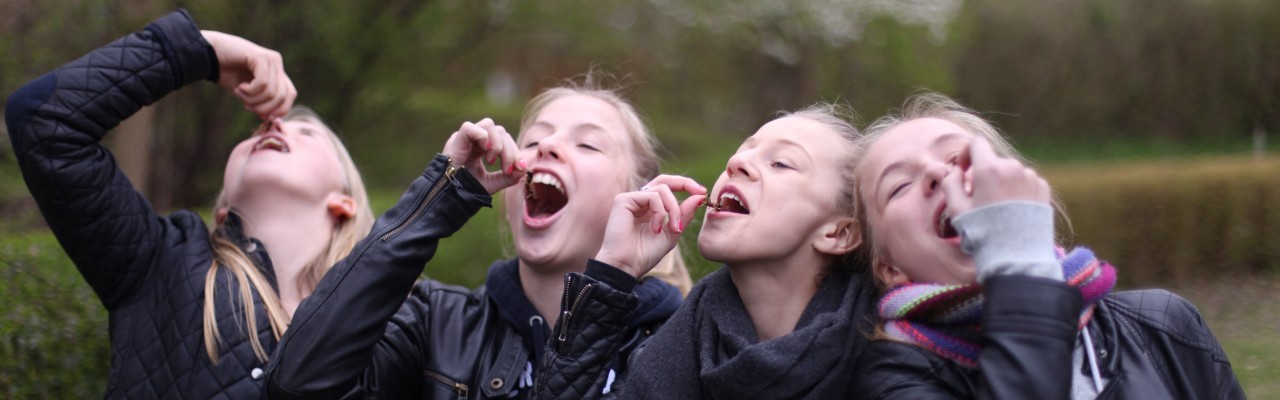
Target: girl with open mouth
x,y
980,303
195,312
579,145
775,321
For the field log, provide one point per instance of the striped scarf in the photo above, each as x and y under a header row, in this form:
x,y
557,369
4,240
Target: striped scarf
x,y
946,319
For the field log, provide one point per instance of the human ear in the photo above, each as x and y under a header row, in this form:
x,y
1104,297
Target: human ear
x,y
839,237
888,274
341,207
220,215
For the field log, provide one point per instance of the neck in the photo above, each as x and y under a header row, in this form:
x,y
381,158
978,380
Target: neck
x,y
295,236
544,287
779,291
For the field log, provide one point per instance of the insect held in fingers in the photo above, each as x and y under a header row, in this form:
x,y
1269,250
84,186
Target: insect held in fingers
x,y
713,206
529,193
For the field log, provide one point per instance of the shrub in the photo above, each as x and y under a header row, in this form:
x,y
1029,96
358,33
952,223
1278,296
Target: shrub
x,y
1176,222
53,330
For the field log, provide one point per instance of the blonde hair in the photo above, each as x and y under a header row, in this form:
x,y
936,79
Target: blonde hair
x,y
926,104
228,256
837,118
672,269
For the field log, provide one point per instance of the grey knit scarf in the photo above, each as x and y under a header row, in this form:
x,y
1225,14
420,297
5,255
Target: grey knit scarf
x,y
709,348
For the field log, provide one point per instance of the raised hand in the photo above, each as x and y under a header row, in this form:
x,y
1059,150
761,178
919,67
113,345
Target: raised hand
x,y
645,225
991,179
475,144
254,74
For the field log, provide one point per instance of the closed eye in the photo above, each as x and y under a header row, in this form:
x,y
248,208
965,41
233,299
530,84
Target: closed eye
x,y
531,144
780,165
308,132
898,189
589,147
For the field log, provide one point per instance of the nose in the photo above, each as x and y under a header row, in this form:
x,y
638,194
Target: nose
x,y
549,147
933,174
738,165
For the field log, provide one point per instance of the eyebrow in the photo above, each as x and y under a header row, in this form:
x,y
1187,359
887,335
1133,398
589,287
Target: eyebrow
x,y
588,126
792,143
941,140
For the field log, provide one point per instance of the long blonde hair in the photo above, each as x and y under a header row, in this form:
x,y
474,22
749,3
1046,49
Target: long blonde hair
x,y
672,268
228,256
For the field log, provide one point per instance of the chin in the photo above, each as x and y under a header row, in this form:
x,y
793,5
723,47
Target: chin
x,y
715,250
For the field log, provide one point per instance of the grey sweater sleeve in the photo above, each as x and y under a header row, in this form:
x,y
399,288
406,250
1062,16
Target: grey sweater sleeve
x,y
1010,238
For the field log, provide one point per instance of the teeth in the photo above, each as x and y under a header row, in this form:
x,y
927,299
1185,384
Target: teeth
x,y
273,143
730,196
549,180
942,222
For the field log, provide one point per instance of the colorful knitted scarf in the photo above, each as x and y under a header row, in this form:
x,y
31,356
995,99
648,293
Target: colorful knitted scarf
x,y
946,319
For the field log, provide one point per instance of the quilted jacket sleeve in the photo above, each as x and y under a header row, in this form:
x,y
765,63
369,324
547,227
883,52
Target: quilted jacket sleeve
x,y
591,329
1028,329
340,344
56,123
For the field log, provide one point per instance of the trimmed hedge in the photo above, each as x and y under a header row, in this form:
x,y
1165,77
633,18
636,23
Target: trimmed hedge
x,y
1176,222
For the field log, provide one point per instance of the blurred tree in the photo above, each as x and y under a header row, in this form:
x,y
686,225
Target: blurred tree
x,y
395,77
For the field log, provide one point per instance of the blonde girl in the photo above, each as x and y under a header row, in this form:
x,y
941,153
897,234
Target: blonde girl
x,y
194,312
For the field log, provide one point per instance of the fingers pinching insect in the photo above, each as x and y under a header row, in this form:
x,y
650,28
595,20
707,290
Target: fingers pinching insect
x,y
678,212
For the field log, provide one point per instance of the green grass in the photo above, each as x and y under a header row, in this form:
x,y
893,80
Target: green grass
x,y
1240,310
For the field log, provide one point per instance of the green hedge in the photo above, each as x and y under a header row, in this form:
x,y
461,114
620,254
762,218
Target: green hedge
x,y
53,330
1176,222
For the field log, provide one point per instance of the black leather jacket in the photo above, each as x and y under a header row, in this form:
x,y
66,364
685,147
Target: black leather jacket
x,y
147,269
1151,344
444,341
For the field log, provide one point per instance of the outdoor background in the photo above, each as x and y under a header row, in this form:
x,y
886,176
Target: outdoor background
x,y
1155,120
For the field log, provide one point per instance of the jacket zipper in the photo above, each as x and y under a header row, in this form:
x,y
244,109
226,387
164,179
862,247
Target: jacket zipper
x,y
422,206
568,313
459,387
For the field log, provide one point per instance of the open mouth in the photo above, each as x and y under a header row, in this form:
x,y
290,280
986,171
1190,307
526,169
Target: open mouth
x,y
943,226
731,202
544,194
271,142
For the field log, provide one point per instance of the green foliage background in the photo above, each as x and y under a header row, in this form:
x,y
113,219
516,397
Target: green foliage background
x,y
1140,111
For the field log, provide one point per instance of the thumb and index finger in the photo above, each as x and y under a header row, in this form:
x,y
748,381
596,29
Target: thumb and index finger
x,y
678,212
957,191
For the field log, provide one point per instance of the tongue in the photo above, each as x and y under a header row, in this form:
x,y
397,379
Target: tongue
x,y
546,201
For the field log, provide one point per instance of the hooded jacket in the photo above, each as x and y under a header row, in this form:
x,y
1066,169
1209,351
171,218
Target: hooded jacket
x,y
357,336
147,269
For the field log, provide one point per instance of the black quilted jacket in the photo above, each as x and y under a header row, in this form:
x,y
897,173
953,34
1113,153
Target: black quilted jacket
x,y
593,326
148,269
1151,344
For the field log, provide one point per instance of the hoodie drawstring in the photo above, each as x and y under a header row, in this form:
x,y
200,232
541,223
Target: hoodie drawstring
x,y
1093,360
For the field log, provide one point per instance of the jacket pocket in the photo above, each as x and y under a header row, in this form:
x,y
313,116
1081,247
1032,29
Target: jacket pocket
x,y
439,378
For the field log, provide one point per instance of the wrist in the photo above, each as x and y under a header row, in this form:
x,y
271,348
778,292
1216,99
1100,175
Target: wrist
x,y
617,263
1010,238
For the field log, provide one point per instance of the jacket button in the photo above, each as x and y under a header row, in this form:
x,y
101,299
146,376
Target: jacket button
x,y
256,374
252,247
1102,353
496,383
